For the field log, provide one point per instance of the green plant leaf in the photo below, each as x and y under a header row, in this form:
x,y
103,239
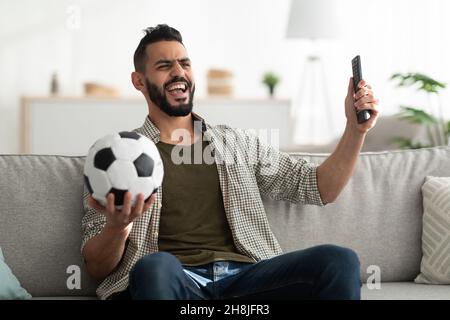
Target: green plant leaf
x,y
435,126
405,143
424,82
415,115
270,79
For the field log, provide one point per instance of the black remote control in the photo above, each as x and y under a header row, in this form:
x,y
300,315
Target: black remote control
x,y
362,115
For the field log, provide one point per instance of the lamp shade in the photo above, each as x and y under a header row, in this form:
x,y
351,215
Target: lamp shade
x,y
313,19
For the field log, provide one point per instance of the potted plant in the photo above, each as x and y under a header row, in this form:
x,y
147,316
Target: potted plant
x,y
438,129
270,79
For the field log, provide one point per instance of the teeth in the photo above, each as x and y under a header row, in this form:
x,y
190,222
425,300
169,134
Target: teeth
x,y
177,86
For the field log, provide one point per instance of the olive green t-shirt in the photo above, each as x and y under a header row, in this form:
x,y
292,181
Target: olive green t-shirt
x,y
193,224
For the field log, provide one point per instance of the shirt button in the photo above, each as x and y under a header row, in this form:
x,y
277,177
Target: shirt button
x,y
159,205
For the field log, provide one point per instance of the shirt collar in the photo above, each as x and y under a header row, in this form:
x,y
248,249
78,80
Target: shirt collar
x,y
151,131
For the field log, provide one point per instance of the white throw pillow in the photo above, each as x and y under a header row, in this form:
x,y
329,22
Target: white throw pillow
x,y
435,265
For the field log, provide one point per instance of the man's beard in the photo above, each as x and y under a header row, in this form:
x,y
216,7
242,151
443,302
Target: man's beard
x,y
160,99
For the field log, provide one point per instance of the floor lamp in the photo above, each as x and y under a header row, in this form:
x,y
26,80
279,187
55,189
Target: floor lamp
x,y
312,20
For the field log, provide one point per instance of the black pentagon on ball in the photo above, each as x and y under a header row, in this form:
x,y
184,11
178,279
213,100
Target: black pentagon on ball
x,y
129,135
119,195
88,185
104,158
144,165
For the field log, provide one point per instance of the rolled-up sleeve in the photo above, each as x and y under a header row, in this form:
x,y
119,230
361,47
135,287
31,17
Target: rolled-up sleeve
x,y
92,222
283,177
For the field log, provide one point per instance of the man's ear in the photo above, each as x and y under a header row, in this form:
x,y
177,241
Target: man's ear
x,y
138,81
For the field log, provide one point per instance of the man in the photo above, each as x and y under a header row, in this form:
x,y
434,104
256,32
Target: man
x,y
204,233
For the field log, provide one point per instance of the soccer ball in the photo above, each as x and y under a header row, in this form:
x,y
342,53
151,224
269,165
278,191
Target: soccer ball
x,y
121,162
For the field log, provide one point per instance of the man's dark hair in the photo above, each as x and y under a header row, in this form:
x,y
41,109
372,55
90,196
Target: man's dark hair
x,y
162,32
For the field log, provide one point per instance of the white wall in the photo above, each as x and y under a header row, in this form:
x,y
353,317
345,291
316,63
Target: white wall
x,y
247,36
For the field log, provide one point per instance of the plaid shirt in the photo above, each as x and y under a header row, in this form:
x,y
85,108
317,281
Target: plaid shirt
x,y
247,168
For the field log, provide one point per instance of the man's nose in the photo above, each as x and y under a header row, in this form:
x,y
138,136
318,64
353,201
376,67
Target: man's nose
x,y
177,70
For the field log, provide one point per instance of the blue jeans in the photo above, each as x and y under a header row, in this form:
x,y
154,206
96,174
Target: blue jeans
x,y
321,272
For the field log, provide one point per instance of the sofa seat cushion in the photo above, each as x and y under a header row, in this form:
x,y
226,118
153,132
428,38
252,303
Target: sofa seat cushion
x,y
406,291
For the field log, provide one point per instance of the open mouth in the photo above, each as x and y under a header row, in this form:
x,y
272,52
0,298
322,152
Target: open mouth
x,y
178,90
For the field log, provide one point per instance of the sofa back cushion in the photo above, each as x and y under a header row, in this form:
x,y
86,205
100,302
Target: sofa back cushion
x,y
379,215
40,223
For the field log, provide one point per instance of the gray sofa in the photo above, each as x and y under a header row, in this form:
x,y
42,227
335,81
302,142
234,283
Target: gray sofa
x,y
380,138
379,215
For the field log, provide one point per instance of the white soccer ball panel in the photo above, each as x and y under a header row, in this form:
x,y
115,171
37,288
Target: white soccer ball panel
x,y
101,199
158,173
127,149
122,174
150,149
99,182
142,185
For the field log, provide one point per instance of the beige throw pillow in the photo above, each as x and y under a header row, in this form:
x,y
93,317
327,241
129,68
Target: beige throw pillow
x,y
435,265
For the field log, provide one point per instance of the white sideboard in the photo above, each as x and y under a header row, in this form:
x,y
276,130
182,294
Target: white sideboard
x,y
69,126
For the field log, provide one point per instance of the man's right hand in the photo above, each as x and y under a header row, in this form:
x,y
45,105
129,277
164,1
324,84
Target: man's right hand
x,y
122,220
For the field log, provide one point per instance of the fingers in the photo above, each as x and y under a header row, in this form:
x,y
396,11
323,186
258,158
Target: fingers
x,y
110,199
363,84
362,92
367,106
137,210
141,206
366,100
126,207
127,213
374,112
139,203
373,118
363,89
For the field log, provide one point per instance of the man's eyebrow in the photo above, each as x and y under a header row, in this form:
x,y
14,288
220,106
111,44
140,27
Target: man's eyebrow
x,y
161,61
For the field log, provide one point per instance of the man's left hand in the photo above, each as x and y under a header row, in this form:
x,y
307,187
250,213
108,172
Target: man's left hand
x,y
362,99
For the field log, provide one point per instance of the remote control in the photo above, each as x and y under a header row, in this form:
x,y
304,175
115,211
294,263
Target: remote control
x,y
362,115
